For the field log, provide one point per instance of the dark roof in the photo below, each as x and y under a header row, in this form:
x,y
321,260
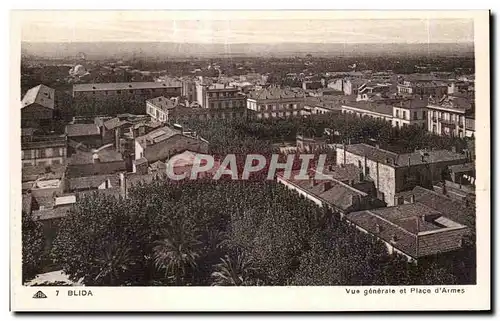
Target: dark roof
x,y
333,192
75,130
379,108
394,159
41,95
114,191
461,168
125,86
91,182
114,123
32,173
415,103
157,135
405,226
451,208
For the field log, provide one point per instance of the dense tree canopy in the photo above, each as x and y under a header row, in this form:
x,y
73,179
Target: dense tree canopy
x,y
207,232
33,242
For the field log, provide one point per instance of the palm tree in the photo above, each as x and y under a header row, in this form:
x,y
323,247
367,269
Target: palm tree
x,y
116,260
233,271
174,254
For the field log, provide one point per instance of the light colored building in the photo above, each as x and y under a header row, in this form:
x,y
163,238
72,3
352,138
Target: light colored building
x,y
447,116
276,103
44,150
425,87
393,173
375,110
159,108
410,112
162,143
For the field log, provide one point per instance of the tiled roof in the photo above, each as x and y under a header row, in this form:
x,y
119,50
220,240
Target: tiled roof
x,y
277,93
41,95
453,209
406,227
157,135
125,86
91,182
415,158
75,130
379,108
114,123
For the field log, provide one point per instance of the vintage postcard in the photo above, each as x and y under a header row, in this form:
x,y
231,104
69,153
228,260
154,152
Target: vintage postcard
x,y
250,161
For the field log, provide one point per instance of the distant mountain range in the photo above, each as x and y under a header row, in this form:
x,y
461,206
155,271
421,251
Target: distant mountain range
x,y
124,50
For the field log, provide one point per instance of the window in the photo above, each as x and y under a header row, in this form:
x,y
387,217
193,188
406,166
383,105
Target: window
x,y
220,105
211,105
367,171
359,164
227,104
423,114
397,113
119,91
415,115
404,114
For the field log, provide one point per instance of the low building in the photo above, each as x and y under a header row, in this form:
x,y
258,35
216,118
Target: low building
x,y
375,110
393,173
413,230
164,142
44,150
37,106
101,161
276,102
424,87
98,91
159,108
86,134
344,192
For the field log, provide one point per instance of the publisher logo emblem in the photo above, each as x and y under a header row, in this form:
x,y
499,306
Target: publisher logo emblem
x,y
39,295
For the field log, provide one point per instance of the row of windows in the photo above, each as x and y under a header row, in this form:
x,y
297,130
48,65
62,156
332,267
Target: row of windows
x,y
215,116
277,107
130,91
228,104
279,114
415,115
446,116
42,153
221,94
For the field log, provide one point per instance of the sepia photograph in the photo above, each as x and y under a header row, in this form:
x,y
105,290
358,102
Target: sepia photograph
x,y
236,154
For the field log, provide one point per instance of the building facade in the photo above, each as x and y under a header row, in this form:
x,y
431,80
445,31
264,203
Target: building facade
x,y
369,109
276,103
447,118
393,173
146,90
411,112
37,106
44,151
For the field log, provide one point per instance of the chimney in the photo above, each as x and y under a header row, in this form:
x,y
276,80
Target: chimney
x,y
422,218
327,185
412,199
377,146
123,185
394,238
378,228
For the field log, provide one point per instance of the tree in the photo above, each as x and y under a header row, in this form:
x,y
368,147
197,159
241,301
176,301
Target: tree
x,y
174,254
33,246
99,243
234,270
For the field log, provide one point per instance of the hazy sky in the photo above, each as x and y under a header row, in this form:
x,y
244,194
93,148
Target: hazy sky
x,y
67,28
